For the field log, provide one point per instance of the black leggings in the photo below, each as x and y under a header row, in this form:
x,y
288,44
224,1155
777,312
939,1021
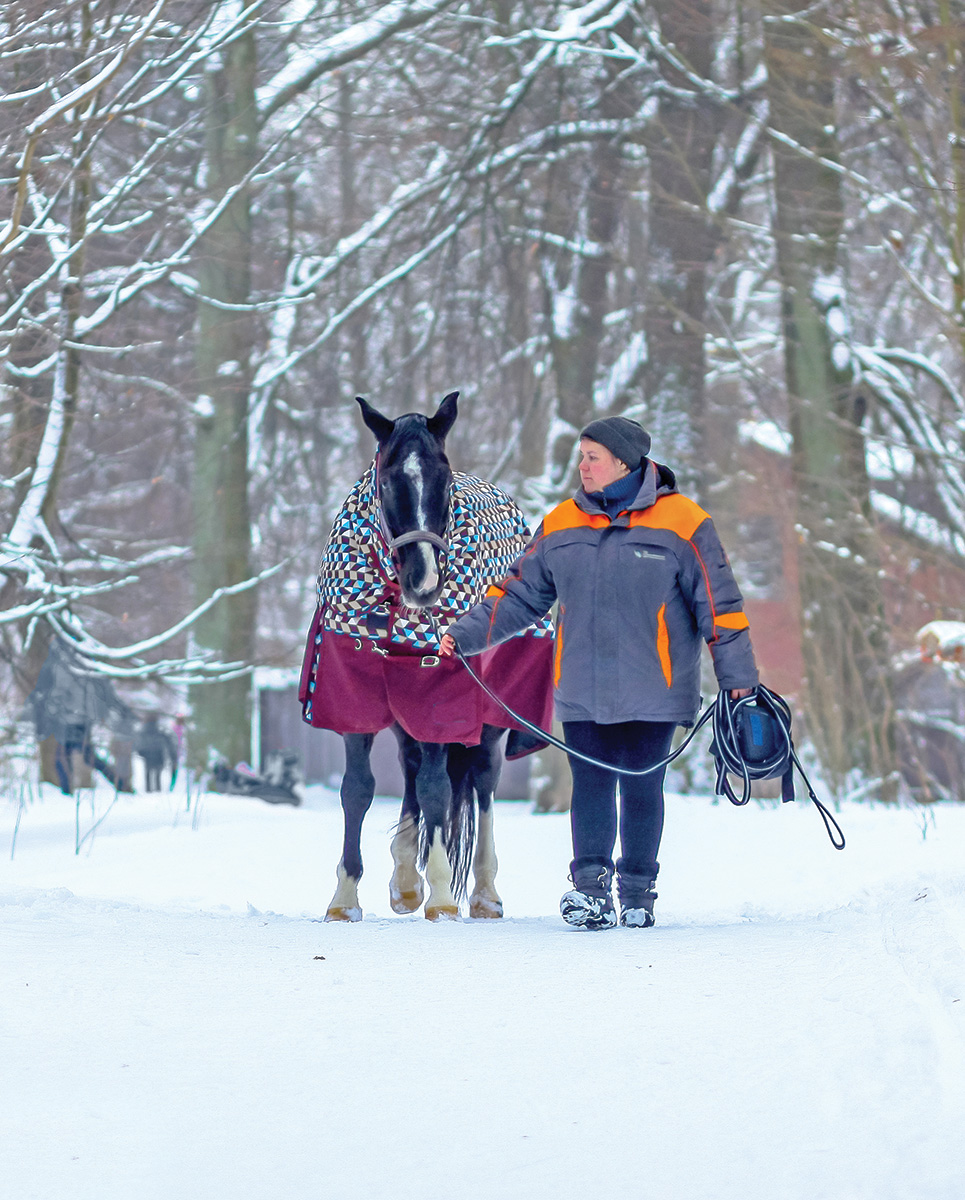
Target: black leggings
x,y
593,813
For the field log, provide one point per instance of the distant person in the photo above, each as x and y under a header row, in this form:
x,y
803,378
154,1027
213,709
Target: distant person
x,y
157,749
121,750
74,753
180,730
641,578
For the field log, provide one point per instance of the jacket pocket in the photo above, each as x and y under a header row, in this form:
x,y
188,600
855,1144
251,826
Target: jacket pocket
x,y
663,645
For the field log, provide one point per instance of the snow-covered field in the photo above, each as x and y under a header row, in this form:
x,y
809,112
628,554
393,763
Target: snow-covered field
x,y
177,1023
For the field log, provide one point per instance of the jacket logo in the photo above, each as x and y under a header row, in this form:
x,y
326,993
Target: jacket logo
x,y
647,554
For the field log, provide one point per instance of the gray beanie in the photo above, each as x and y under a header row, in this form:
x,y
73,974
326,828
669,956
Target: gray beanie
x,y
627,439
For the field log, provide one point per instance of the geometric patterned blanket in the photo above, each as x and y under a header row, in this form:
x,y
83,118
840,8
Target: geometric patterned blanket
x,y
367,653
356,580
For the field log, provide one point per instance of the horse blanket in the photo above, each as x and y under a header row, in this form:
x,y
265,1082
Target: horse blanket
x,y
370,660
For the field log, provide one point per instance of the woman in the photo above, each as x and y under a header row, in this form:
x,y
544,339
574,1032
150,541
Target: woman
x,y
641,577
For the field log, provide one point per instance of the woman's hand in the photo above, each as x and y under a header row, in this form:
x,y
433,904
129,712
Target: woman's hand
x,y
740,693
446,646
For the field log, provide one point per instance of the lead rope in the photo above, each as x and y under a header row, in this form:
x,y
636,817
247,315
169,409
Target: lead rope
x,y
726,748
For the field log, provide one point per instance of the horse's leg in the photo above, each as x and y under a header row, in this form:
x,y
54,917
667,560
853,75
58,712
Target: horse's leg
x,y
434,794
487,760
358,788
406,891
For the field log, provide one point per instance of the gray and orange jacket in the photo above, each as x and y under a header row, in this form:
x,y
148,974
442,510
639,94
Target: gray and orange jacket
x,y
637,595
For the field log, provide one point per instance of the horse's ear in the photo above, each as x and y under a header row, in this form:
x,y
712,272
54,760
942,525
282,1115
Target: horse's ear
x,y
445,416
381,426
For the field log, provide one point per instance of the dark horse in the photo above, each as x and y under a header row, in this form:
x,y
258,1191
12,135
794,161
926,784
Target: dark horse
x,y
443,780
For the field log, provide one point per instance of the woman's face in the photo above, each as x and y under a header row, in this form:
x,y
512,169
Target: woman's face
x,y
598,467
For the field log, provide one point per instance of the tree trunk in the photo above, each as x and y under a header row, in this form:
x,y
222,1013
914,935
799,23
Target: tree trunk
x,y
222,529
28,643
845,640
680,244
577,338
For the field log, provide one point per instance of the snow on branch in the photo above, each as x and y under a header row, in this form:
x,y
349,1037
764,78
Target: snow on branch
x,y
839,169
107,659
924,437
583,248
624,373
89,88
578,25
344,47
74,99
722,193
379,285
28,523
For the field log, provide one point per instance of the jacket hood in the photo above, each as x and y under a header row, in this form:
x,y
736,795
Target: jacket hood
x,y
658,481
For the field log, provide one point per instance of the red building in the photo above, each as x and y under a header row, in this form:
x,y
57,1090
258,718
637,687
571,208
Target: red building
x,y
924,575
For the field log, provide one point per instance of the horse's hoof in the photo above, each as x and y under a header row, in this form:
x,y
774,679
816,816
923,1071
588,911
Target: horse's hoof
x,y
407,901
481,908
442,912
338,913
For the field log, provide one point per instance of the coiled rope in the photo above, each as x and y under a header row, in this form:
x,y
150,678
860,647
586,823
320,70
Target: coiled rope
x,y
729,748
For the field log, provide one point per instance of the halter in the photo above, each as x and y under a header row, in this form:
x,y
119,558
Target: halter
x,y
414,535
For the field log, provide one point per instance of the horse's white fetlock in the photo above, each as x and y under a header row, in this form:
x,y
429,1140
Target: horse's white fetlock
x,y
441,905
485,902
406,890
345,903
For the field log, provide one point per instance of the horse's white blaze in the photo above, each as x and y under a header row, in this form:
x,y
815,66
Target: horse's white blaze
x,y
430,574
346,899
439,875
412,468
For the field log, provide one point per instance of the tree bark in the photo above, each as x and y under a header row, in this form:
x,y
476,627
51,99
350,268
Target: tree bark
x,y
29,643
577,339
681,242
222,528
845,638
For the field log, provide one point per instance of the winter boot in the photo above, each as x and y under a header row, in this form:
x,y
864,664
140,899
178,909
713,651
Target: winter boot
x,y
589,904
636,899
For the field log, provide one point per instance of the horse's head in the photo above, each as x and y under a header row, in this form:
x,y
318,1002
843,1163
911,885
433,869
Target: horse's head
x,y
414,482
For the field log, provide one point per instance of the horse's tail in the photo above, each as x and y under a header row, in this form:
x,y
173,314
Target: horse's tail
x,y
461,829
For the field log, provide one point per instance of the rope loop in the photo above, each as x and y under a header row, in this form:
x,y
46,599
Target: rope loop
x,y
752,740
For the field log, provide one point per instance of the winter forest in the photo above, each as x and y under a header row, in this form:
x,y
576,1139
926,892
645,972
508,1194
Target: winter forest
x,y
741,223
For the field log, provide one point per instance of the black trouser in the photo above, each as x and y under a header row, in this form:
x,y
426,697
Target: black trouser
x,y
593,813
152,773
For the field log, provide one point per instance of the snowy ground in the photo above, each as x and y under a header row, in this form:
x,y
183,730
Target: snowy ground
x,y
178,1024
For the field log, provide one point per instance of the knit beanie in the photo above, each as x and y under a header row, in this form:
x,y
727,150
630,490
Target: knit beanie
x,y
627,439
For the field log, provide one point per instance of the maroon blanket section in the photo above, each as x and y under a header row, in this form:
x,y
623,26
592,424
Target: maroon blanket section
x,y
358,689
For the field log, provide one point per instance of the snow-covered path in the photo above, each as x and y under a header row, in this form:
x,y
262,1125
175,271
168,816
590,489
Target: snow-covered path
x,y
176,1023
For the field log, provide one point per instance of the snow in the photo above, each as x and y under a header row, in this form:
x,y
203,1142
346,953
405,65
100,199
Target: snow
x,y
348,44
827,289
622,374
887,460
564,311
765,433
179,1023
918,523
840,356
942,639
